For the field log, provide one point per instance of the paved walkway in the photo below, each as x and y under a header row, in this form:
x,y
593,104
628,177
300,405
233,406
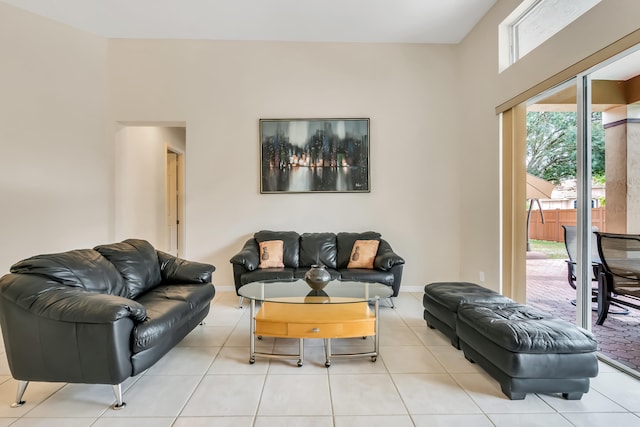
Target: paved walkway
x,y
548,289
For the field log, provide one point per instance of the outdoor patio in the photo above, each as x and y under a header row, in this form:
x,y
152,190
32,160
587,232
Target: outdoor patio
x,y
548,289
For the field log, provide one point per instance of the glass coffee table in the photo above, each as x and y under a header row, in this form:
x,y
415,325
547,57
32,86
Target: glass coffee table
x,y
294,310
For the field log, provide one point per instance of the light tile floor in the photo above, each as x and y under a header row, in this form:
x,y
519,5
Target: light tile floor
x,y
419,380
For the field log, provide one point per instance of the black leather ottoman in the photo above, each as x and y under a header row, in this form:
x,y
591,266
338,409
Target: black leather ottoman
x,y
528,350
441,301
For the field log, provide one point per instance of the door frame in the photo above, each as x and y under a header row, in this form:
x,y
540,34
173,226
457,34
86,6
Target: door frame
x,y
180,228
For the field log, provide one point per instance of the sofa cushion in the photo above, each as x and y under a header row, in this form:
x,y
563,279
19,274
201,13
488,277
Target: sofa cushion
x,y
163,315
169,307
521,328
271,253
262,274
291,243
366,275
318,248
196,295
449,295
363,254
83,268
345,243
137,261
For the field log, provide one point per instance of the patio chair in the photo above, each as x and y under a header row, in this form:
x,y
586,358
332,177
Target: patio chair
x,y
618,272
571,244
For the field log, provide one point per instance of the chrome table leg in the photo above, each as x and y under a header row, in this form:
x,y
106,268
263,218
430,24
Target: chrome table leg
x,y
252,332
377,325
327,353
300,352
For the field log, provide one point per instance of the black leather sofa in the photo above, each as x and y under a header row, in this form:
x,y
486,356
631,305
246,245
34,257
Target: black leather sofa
x,y
99,316
301,251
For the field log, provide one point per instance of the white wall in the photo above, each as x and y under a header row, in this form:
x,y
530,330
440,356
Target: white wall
x,y
140,181
434,135
222,89
55,177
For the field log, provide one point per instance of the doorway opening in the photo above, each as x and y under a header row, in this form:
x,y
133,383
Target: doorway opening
x,y
149,184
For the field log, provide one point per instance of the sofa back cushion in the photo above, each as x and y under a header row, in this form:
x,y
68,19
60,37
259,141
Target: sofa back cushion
x,y
137,261
318,248
345,244
291,244
81,268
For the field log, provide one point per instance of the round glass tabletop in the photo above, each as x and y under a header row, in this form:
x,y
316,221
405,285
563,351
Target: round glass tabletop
x,y
298,292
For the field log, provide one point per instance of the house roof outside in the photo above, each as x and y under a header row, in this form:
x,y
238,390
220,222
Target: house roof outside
x,y
565,194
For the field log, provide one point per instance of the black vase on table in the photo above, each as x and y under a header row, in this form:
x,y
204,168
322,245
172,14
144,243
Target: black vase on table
x,y
317,277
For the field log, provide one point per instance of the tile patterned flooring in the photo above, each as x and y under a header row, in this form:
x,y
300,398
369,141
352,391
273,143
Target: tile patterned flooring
x,y
418,380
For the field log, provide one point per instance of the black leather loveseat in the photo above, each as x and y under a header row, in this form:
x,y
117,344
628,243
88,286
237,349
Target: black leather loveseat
x,y
301,251
99,316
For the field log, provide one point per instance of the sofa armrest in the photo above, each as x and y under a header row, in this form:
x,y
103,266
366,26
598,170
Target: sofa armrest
x,y
249,256
178,270
59,333
386,259
48,299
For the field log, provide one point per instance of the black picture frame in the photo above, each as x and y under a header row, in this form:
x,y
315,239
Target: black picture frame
x,y
314,156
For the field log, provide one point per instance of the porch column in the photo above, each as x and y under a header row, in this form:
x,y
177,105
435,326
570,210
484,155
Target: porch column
x,y
622,168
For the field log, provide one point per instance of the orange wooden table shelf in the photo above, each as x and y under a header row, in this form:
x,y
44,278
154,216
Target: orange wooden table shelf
x,y
315,320
325,321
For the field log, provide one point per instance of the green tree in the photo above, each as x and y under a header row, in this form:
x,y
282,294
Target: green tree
x,y
597,147
551,145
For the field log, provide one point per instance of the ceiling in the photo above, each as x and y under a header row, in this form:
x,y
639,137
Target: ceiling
x,y
373,21
370,21
624,68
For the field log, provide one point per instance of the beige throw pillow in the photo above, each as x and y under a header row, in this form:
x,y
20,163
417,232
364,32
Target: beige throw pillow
x,y
271,253
363,254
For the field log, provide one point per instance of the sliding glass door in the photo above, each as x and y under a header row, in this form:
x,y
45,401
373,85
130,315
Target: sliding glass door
x,y
584,137
551,129
615,95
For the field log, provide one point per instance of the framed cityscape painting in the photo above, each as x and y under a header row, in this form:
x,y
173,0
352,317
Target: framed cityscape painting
x,y
314,155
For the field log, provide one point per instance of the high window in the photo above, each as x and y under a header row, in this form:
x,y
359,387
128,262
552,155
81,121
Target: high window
x,y
535,21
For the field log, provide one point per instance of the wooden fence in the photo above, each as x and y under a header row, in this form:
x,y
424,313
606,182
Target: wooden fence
x,y
554,220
